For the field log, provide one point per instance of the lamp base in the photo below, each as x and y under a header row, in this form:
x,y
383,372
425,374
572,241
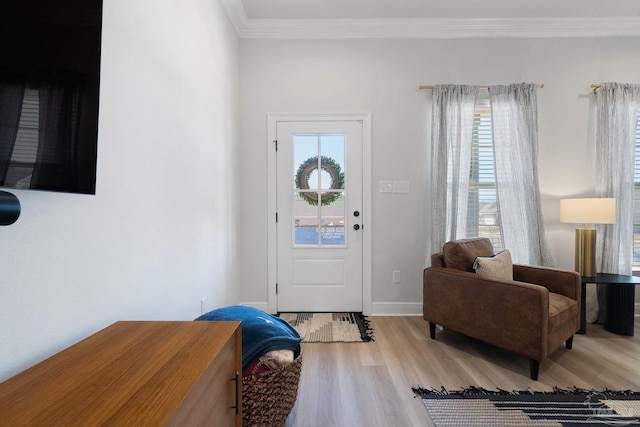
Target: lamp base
x,y
586,251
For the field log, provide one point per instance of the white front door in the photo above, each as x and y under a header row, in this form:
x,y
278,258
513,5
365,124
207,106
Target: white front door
x,y
320,217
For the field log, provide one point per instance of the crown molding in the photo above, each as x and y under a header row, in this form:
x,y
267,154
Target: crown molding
x,y
237,14
427,28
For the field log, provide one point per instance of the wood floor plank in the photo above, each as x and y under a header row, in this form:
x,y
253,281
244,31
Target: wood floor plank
x,y
369,384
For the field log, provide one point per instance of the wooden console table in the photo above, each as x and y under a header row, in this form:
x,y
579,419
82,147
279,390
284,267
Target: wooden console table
x,y
134,373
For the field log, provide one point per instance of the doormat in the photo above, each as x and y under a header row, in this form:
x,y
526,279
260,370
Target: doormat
x,y
574,407
330,327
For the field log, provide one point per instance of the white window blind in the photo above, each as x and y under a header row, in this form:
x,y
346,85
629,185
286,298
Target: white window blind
x,y
483,215
636,199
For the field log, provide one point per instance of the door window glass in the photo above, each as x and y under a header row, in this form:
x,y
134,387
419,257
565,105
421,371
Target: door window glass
x,y
319,189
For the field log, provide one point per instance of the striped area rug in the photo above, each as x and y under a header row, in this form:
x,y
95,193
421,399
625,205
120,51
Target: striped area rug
x,y
561,408
330,327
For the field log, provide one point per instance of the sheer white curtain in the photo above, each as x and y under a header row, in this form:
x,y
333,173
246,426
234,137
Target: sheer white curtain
x,y
618,105
514,116
451,140
515,139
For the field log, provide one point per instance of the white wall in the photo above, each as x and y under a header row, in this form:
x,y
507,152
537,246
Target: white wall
x,y
382,77
159,235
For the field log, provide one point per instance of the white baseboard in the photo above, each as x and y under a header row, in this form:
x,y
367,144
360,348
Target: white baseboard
x,y
377,309
396,309
264,306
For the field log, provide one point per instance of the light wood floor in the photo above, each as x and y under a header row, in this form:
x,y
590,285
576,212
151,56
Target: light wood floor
x,y
369,384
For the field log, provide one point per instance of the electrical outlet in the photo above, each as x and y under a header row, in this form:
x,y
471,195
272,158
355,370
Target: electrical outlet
x,y
396,276
203,305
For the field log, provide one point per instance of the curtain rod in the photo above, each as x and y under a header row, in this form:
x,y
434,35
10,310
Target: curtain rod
x,y
540,85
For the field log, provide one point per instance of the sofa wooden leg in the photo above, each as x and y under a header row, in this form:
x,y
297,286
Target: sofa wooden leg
x,y
569,343
534,367
432,330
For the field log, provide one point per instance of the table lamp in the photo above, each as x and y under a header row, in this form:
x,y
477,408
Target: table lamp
x,y
587,211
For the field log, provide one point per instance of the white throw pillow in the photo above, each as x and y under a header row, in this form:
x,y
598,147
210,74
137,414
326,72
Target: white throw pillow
x,y
498,266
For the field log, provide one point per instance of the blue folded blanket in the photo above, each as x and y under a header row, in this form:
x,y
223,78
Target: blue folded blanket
x,y
261,332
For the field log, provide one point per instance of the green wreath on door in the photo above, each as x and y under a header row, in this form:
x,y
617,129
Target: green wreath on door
x,y
332,168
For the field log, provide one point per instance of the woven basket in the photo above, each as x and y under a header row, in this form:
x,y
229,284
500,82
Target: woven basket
x,y
268,398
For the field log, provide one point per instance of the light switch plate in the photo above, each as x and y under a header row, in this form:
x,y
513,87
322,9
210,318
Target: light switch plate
x,y
386,186
401,186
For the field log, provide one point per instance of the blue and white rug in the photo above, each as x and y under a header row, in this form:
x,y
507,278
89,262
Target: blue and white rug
x,y
575,407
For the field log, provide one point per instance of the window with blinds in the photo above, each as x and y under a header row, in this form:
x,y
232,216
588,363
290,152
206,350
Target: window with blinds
x,y
636,199
483,214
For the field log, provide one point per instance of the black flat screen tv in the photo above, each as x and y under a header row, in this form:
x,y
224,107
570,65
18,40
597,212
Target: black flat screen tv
x,y
49,94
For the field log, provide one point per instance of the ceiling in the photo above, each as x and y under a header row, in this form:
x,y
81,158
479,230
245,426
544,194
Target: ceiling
x,y
452,9
433,18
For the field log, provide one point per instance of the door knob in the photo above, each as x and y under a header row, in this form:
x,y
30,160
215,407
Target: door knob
x,y
356,214
356,227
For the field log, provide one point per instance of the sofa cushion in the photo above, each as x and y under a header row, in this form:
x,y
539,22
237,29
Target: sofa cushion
x,y
461,254
561,309
564,315
498,266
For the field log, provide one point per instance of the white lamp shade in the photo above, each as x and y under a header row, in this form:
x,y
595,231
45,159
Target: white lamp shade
x,y
588,211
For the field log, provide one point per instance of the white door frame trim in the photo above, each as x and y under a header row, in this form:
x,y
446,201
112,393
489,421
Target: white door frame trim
x,y
272,202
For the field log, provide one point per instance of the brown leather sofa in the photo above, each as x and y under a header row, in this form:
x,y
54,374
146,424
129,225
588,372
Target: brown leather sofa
x,y
532,315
